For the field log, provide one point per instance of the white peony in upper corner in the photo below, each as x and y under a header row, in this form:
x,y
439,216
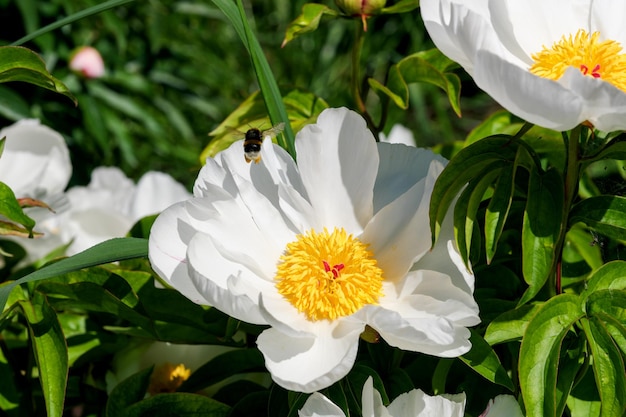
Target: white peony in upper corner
x,y
553,63
319,249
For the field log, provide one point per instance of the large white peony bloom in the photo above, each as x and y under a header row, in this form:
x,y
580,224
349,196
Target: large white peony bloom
x,y
414,403
553,63
320,249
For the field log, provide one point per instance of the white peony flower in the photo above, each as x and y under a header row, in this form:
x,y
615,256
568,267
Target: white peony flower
x,y
553,63
112,203
414,403
320,249
36,161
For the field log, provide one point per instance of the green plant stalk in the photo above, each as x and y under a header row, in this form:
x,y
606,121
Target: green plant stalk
x,y
70,19
571,178
356,78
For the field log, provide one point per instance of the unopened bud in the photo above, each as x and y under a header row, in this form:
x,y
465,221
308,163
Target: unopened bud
x,y
362,8
87,61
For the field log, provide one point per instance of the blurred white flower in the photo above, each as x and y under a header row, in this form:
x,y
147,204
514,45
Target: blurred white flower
x,y
414,403
112,203
321,249
553,63
35,162
87,61
399,134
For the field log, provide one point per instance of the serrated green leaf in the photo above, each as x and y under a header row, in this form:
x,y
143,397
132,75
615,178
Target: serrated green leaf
x,y
180,404
11,209
401,6
128,392
112,250
540,350
498,210
303,108
608,369
482,359
466,207
540,229
308,21
511,325
427,66
22,64
463,167
604,214
50,351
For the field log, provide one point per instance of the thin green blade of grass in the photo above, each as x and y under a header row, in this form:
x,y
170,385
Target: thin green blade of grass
x,y
72,18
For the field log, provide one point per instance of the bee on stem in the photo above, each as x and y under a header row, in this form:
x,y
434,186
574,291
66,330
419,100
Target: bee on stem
x,y
253,140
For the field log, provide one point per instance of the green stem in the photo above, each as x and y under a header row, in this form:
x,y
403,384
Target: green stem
x,y
356,79
571,179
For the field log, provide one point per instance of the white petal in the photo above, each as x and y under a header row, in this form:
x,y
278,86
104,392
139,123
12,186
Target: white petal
x,y
155,192
399,134
400,232
223,283
504,406
308,364
317,405
609,18
338,162
372,403
416,403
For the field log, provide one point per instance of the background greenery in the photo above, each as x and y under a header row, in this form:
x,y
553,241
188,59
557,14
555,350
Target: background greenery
x,y
177,69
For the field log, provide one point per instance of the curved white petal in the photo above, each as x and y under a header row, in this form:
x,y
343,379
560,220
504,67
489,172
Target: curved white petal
x,y
609,18
503,406
419,404
338,162
310,363
155,192
317,405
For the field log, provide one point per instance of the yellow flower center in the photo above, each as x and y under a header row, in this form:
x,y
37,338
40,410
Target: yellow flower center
x,y
168,378
584,51
328,275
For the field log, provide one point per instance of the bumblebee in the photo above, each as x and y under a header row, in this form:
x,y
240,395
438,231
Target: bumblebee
x,y
253,140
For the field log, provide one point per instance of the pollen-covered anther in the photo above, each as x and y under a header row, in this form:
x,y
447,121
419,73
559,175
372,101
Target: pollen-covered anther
x,y
328,275
594,58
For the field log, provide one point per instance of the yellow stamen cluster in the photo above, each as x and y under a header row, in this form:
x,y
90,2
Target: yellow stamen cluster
x,y
168,378
584,51
328,275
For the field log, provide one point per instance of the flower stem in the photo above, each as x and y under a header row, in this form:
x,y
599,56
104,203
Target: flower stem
x,y
356,79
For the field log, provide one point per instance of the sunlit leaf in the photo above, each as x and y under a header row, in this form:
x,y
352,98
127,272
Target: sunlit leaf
x,y
510,325
430,67
540,230
50,351
308,21
22,64
401,6
540,352
11,208
604,214
482,359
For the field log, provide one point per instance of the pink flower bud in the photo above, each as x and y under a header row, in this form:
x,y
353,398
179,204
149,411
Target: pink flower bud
x,y
362,8
87,61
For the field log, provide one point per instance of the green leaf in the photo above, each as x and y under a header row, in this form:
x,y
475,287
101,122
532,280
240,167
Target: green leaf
x,y
112,250
499,122
604,214
466,207
609,305
308,21
540,351
50,351
22,64
402,6
11,209
498,210
581,241
73,18
511,325
482,359
9,392
223,366
495,152
608,369
430,67
267,83
128,392
540,230
177,404
611,276
302,107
